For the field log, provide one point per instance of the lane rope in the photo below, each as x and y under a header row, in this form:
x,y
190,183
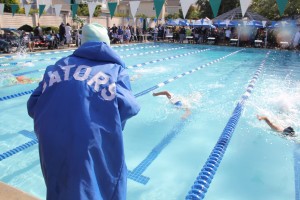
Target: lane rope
x,y
203,180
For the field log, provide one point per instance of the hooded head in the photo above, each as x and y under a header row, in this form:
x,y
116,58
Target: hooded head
x,y
94,33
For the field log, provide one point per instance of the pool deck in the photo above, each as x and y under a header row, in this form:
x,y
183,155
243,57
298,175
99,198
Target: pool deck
x,y
10,193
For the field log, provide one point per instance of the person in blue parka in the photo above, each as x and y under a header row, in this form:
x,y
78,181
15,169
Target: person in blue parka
x,y
79,110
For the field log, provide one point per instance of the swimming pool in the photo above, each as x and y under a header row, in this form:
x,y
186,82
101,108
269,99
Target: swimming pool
x,y
165,153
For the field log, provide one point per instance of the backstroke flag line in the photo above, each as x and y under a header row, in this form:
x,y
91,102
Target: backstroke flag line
x,y
215,5
244,6
27,9
185,5
281,5
158,4
57,8
112,8
134,5
1,8
92,7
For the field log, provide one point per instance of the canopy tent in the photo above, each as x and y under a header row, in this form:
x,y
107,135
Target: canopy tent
x,y
177,22
203,23
236,14
222,24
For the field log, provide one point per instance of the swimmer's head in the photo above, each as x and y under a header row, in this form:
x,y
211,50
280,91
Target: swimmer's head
x,y
94,33
289,131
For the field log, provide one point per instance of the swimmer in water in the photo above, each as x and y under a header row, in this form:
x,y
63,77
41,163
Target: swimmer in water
x,y
10,80
289,131
175,101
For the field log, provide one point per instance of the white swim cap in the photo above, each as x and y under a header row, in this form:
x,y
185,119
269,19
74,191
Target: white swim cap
x,y
94,33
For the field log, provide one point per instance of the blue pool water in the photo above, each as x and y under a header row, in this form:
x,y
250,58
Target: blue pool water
x,y
165,153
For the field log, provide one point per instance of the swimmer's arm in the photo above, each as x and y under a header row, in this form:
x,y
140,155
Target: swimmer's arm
x,y
34,97
166,93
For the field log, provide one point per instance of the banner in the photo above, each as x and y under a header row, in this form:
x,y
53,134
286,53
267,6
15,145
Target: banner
x,y
185,5
134,7
1,8
74,10
14,8
41,9
264,23
92,7
112,8
244,6
215,5
27,9
281,5
57,8
158,4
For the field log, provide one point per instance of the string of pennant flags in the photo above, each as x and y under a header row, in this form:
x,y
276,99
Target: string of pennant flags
x,y
134,5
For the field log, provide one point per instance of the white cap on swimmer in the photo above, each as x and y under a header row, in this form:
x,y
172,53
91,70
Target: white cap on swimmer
x,y
94,33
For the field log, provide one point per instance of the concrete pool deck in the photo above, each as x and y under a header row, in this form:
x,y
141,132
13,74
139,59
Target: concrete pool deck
x,y
8,192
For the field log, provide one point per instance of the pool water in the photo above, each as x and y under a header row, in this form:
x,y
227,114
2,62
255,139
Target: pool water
x,y
165,153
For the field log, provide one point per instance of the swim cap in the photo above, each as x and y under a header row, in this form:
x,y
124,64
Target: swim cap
x,y
178,103
94,33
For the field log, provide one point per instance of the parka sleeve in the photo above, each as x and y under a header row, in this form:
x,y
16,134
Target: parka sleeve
x,y
127,104
34,97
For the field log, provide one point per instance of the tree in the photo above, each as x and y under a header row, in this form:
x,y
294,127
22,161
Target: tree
x,y
206,11
83,10
7,3
269,8
193,13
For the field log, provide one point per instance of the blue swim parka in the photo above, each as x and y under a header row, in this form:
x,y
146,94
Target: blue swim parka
x,y
79,110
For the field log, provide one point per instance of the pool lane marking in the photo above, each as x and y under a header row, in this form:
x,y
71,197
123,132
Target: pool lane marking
x,y
137,48
133,66
56,52
167,58
136,173
203,180
184,74
141,93
150,52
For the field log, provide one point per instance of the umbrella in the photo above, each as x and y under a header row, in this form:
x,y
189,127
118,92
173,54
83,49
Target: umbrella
x,y
219,23
26,28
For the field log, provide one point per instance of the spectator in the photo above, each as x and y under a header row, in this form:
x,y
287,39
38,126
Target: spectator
x,y
62,33
68,34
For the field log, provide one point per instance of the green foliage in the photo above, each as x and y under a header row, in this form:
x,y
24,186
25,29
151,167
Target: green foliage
x,y
83,10
32,11
141,16
193,13
7,3
269,8
173,16
78,20
121,15
206,11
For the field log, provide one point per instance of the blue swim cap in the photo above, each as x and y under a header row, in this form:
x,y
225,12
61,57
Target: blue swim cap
x,y
178,103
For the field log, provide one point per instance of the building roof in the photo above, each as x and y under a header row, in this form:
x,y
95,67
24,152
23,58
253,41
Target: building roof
x,y
236,14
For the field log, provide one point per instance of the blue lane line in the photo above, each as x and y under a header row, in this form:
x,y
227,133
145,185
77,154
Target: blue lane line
x,y
29,61
136,173
64,51
151,52
167,58
184,74
137,48
203,180
16,95
147,90
17,149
